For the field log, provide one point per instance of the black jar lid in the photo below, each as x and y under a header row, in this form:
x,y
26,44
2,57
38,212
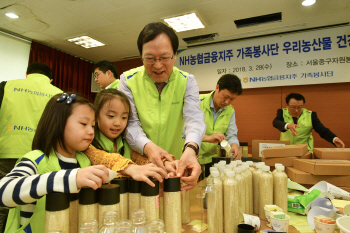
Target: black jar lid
x,y
218,159
244,143
88,196
147,190
123,184
109,194
57,201
73,196
134,186
172,184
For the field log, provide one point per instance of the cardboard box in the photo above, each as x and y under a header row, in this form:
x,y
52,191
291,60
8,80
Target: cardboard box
x,y
259,145
285,151
287,161
332,153
308,179
323,167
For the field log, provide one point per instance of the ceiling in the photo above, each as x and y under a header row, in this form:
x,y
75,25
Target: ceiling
x,y
117,23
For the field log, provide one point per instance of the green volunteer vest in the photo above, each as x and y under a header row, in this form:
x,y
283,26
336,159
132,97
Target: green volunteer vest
x,y
108,145
209,150
161,118
23,103
44,164
304,135
115,84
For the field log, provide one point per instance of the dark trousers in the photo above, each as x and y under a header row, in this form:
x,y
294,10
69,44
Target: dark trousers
x,y
6,165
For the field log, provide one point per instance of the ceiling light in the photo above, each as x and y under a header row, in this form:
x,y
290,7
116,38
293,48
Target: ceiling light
x,y
308,2
184,22
86,42
11,15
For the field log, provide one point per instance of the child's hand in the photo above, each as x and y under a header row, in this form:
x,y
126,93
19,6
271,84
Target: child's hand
x,y
93,176
171,167
141,173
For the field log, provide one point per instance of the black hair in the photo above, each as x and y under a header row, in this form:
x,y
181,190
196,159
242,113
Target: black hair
x,y
103,97
152,30
50,130
230,82
104,66
294,96
39,68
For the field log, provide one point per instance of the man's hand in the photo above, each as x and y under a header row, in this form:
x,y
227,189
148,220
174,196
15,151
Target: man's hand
x,y
214,138
155,154
189,164
339,143
235,151
293,128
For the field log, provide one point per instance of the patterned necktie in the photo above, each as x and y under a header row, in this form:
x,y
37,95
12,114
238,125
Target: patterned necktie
x,y
160,87
295,119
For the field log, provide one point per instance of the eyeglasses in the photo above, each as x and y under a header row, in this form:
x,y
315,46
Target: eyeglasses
x,y
96,75
295,108
152,60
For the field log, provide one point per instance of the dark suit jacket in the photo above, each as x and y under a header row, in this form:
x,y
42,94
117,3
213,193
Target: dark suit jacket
x,y
324,132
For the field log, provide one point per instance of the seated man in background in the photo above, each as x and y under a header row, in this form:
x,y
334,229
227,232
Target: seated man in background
x,y
296,116
220,118
105,73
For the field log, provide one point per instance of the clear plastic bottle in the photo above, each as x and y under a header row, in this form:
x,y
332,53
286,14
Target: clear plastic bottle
x,y
276,165
155,226
239,163
265,191
109,219
134,196
88,227
123,226
57,212
256,175
219,199
241,190
124,196
185,207
172,205
108,200
150,199
280,188
233,164
73,213
246,185
229,166
251,166
139,221
231,212
250,188
211,194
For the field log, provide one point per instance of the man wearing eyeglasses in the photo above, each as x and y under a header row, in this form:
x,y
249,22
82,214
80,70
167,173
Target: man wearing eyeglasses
x,y
296,124
105,74
163,100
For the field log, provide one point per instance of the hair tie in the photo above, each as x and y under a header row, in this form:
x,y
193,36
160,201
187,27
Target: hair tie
x,y
65,96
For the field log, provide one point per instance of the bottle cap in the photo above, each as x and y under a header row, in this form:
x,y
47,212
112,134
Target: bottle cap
x,y
250,163
57,201
263,163
214,173
172,184
278,164
134,186
147,190
212,169
227,170
280,168
259,166
87,196
217,165
218,159
239,162
230,174
266,168
222,162
109,194
238,170
123,184
229,166
234,164
221,168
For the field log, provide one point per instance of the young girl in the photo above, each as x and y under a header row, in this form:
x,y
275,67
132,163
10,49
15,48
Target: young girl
x,y
112,113
56,163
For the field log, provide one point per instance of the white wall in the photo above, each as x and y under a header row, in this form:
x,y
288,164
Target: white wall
x,y
14,57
